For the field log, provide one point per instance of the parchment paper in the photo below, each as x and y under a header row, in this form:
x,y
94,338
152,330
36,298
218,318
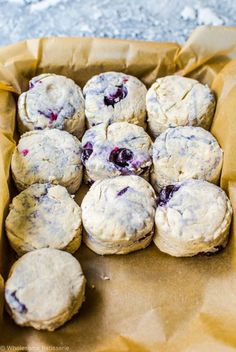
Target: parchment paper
x,y
145,301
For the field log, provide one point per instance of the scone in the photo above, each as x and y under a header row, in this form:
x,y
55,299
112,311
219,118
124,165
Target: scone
x,y
117,149
185,152
47,156
45,288
113,97
42,216
118,215
178,101
192,217
52,101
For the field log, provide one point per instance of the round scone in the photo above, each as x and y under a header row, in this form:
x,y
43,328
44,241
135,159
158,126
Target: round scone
x,y
118,215
113,97
52,101
182,153
178,101
192,217
45,288
117,149
47,156
42,216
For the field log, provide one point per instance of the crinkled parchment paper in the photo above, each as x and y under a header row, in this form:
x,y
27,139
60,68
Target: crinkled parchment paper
x,y
145,301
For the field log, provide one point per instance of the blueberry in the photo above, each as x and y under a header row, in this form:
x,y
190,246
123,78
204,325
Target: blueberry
x,y
123,191
166,194
86,152
120,94
15,303
31,85
121,156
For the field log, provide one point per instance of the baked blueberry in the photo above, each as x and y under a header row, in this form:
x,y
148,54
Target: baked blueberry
x,y
121,156
117,149
166,194
114,98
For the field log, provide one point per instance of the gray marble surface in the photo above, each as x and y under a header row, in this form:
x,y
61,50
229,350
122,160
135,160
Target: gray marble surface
x,y
166,20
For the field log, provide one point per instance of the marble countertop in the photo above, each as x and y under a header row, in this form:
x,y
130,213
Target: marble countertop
x,y
158,20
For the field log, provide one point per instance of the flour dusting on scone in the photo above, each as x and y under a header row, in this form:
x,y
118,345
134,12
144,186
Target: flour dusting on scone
x,y
118,215
45,288
52,101
47,156
113,97
178,101
182,153
44,216
192,217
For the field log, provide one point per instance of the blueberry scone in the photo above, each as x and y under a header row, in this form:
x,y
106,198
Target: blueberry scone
x,y
185,152
192,217
52,101
118,215
45,288
44,215
113,97
178,101
47,156
117,149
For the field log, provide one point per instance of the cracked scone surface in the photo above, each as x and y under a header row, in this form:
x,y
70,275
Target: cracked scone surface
x,y
183,153
118,215
43,216
178,101
52,101
45,288
117,149
47,156
113,97
192,217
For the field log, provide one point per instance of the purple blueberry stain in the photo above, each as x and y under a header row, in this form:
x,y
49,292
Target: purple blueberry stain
x,y
32,85
24,152
114,98
51,115
121,156
87,150
136,164
44,193
166,194
122,191
15,303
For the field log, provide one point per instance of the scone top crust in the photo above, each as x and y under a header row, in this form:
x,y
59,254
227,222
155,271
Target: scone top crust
x,y
47,156
117,149
119,209
115,96
52,101
178,101
44,215
44,287
183,153
193,210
